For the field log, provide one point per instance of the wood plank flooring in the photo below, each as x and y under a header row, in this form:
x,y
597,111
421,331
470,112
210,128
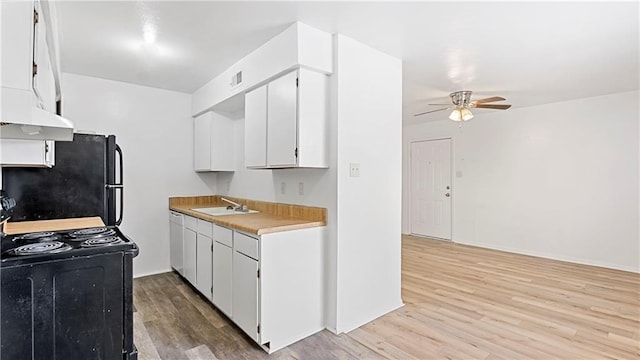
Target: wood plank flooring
x,y
462,302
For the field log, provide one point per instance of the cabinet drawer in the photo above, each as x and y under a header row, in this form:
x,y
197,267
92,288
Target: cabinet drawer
x,y
191,223
223,235
205,228
246,245
175,217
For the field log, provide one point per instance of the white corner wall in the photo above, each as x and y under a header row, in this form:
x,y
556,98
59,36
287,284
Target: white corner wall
x,y
558,181
369,133
155,131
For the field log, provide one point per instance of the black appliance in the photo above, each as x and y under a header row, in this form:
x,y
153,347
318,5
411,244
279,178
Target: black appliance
x,y
81,184
67,295
6,206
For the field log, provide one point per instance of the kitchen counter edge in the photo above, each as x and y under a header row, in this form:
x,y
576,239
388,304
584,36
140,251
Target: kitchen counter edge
x,y
255,223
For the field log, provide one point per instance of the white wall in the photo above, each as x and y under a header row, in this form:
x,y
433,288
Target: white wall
x,y
558,180
155,131
369,110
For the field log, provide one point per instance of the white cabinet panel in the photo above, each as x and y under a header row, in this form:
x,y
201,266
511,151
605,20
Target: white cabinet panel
x,y
17,35
213,148
202,142
245,294
191,223
205,228
245,245
27,153
176,240
286,122
223,235
255,128
222,277
189,259
43,80
282,121
203,265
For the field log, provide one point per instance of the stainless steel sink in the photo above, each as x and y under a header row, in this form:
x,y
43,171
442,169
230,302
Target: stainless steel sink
x,y
221,211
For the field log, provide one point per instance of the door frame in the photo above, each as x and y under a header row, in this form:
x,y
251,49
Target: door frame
x,y
410,189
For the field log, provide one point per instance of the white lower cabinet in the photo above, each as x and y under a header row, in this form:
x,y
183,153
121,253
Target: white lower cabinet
x,y
270,285
204,258
222,269
176,241
189,250
245,294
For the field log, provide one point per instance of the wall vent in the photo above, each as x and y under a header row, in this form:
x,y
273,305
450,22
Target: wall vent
x,y
236,79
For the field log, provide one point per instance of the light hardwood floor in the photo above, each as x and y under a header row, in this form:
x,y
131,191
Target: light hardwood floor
x,y
462,302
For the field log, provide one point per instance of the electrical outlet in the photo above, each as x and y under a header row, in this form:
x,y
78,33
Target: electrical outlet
x,y
301,188
283,188
354,170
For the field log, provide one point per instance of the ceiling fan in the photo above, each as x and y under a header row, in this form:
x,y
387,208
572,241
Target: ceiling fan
x,y
461,103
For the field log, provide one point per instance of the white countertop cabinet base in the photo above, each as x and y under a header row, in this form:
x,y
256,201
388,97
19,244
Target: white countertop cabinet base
x,y
270,285
291,287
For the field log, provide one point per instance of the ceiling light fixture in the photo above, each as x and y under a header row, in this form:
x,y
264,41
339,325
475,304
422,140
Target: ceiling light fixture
x,y
461,114
149,33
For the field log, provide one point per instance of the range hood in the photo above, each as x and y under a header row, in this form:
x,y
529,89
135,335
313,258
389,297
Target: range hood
x,y
43,125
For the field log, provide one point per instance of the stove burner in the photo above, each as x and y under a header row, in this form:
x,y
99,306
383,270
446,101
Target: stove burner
x,y
38,237
48,247
102,241
92,232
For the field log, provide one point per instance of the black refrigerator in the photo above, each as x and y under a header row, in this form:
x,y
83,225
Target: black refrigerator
x,y
86,180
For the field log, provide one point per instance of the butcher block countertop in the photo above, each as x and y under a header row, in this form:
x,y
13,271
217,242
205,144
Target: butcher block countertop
x,y
271,218
23,227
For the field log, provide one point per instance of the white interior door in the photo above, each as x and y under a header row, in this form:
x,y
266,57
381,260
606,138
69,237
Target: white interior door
x,y
431,188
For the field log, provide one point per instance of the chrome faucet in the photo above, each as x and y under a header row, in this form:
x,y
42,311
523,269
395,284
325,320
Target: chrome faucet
x,y
236,206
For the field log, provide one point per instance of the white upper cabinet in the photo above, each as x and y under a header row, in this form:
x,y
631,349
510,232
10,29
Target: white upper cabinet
x,y
213,142
255,128
29,70
281,121
44,82
27,153
286,122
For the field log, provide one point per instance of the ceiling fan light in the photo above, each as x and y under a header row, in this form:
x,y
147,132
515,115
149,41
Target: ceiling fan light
x,y
456,115
466,114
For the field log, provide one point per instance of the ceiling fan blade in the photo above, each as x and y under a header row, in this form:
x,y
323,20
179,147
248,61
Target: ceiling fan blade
x,y
492,106
486,100
427,112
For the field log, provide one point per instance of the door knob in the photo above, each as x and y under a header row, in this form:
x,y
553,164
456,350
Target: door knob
x,y
447,194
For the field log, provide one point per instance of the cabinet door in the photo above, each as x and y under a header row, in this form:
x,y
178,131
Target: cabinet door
x,y
189,255
282,121
28,153
176,243
255,128
43,80
203,265
222,277
17,35
202,142
245,294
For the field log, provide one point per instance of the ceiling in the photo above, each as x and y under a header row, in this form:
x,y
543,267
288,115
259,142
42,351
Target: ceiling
x,y
532,53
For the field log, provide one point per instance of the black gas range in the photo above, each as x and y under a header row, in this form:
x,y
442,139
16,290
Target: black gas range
x,y
67,295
